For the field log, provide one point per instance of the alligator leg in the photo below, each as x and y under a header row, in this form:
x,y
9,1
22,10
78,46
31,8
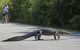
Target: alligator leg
x,y
37,37
58,36
55,36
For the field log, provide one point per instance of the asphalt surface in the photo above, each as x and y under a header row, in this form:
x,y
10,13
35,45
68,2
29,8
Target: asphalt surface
x,y
48,43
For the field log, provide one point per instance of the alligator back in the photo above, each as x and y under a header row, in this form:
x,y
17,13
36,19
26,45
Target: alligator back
x,y
48,32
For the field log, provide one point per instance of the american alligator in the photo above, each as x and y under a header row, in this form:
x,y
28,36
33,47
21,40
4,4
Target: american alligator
x,y
46,32
37,34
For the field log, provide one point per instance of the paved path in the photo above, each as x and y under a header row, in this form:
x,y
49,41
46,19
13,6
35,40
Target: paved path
x,y
10,30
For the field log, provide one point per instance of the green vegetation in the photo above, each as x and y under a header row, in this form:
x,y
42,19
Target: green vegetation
x,y
52,13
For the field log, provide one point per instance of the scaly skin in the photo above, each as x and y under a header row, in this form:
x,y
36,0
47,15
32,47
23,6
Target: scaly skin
x,y
47,33
37,35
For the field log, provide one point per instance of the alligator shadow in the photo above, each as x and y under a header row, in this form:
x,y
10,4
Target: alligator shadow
x,y
17,38
20,38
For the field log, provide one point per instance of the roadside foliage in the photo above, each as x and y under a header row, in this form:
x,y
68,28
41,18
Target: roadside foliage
x,y
52,13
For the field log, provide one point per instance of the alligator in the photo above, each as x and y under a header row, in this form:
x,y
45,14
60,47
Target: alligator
x,y
37,34
46,32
